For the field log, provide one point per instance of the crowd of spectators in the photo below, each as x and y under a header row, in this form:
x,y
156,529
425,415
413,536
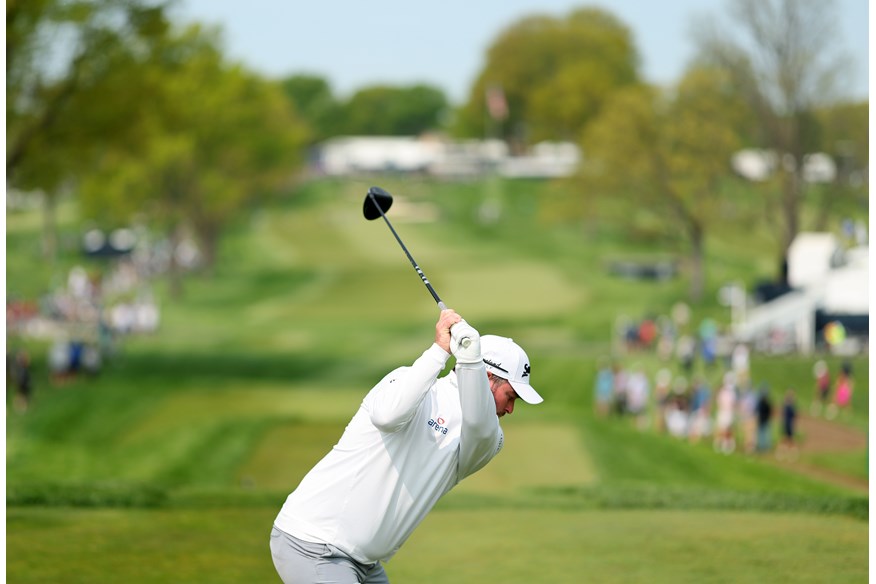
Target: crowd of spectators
x,y
733,413
89,309
703,388
833,396
83,317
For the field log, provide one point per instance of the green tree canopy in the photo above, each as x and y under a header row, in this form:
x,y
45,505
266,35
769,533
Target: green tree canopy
x,y
844,135
556,74
213,138
664,155
49,129
69,84
314,101
394,111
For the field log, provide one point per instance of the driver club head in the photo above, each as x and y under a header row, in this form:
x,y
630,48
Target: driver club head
x,y
376,200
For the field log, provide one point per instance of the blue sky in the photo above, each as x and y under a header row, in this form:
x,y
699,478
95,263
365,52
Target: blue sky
x,y
400,42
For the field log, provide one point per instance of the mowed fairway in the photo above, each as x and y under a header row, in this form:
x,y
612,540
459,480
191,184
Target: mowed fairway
x,y
171,465
515,546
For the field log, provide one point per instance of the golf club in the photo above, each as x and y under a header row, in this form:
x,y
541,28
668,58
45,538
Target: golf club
x,y
377,202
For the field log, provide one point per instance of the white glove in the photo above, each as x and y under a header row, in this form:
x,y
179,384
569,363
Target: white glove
x,y
465,343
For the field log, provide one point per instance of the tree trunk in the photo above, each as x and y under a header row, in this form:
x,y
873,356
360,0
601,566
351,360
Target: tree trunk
x,y
792,186
825,208
208,236
697,264
174,273
50,228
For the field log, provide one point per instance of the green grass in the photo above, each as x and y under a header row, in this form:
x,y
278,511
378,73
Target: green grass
x,y
853,464
221,545
171,464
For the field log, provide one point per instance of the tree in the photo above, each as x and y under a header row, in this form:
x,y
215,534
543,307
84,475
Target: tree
x,y
782,55
214,138
665,155
394,111
844,135
555,74
314,102
50,131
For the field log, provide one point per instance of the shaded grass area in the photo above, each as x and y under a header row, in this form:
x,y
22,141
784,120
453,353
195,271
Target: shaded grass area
x,y
615,497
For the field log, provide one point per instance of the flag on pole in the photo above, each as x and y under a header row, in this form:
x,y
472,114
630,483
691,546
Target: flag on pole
x,y
497,106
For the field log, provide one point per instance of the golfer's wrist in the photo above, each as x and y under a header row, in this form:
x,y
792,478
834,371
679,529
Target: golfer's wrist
x,y
438,352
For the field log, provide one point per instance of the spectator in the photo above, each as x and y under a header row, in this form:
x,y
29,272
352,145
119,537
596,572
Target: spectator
x,y
620,389
787,449
748,418
764,417
708,341
681,315
724,345
631,336
638,390
666,339
76,349
647,333
662,397
603,390
822,387
700,404
22,377
740,362
677,415
91,359
59,360
843,392
685,351
725,402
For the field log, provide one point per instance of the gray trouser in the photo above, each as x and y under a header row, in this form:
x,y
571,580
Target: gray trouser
x,y
303,562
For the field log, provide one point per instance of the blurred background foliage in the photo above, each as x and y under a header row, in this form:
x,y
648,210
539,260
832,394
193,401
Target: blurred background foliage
x,y
102,93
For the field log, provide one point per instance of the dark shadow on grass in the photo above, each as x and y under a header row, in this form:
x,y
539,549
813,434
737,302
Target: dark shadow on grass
x,y
687,499
652,497
188,366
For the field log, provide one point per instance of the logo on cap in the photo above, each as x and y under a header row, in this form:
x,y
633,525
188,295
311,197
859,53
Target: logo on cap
x,y
496,365
526,370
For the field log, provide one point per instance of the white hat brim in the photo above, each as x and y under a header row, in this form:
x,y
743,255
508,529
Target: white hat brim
x,y
526,392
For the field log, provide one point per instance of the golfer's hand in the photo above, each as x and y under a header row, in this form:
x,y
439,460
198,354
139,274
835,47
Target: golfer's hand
x,y
465,343
446,319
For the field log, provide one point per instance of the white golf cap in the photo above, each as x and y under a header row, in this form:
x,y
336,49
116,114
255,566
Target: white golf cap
x,y
504,358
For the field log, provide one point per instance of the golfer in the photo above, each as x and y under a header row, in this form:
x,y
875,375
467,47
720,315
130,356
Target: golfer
x,y
414,437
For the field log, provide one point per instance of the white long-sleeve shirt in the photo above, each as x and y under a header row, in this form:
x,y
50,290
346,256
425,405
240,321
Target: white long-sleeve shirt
x,y
413,438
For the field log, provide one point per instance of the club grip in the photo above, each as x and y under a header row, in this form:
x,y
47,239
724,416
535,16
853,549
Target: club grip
x,y
464,342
